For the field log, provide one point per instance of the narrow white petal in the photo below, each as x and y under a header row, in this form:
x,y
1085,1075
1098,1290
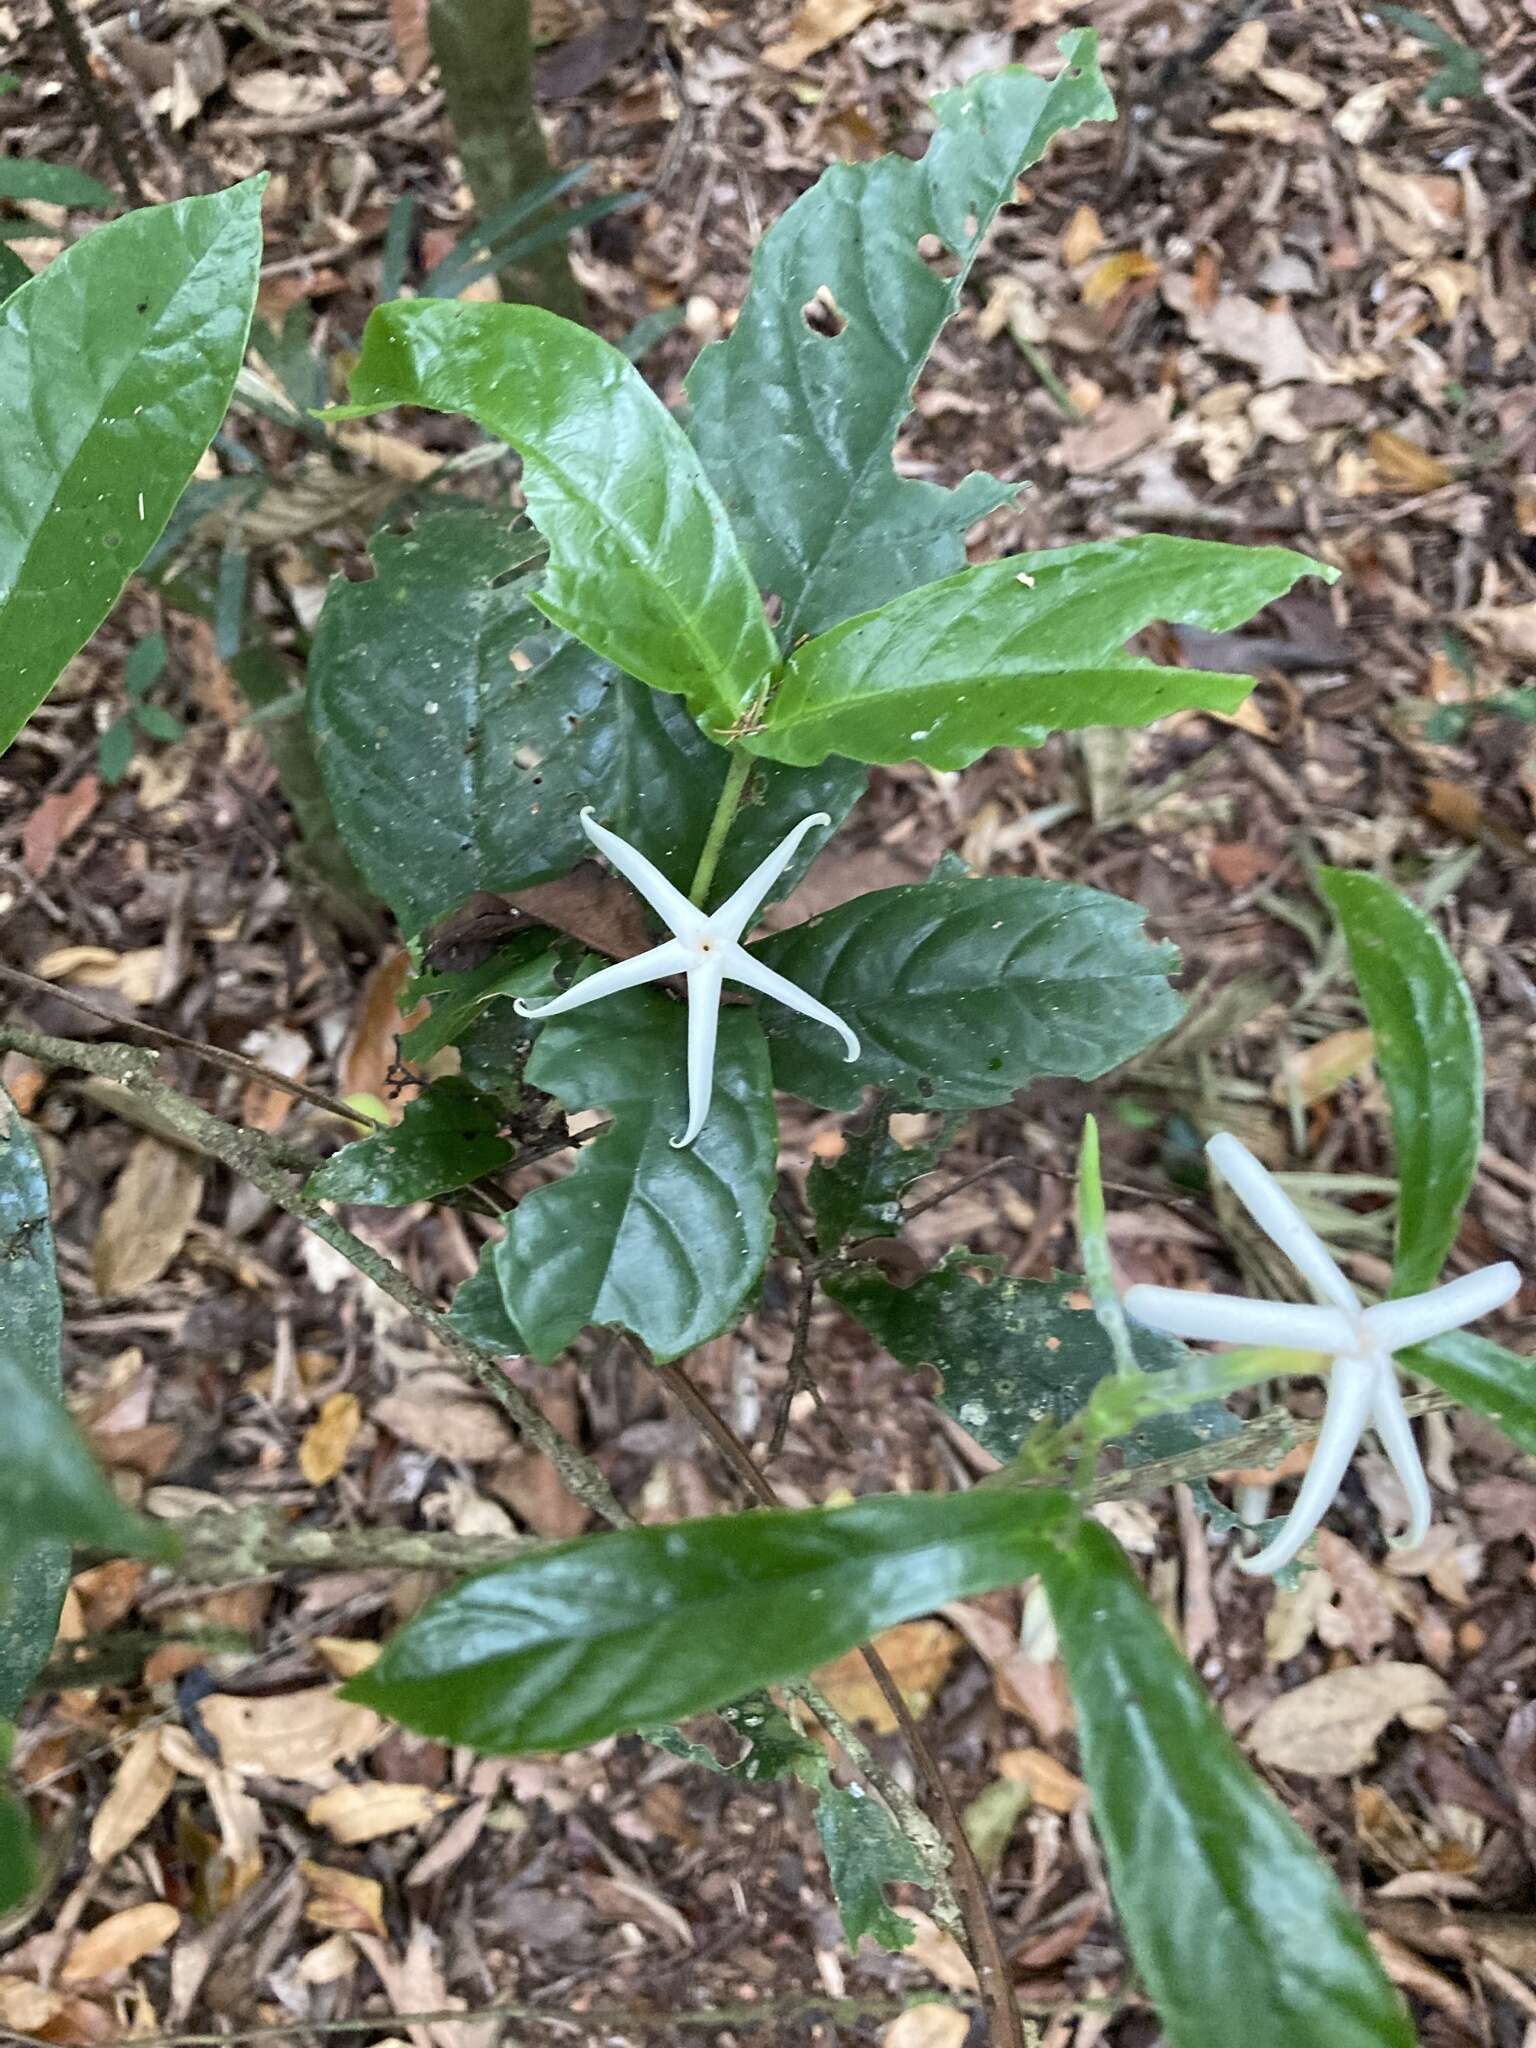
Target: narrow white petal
x,y
703,1029
1234,1319
1351,1390
1280,1220
1396,1432
684,917
670,957
1418,1317
736,913
752,973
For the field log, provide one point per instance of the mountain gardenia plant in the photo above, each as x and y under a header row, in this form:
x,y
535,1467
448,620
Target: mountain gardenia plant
x,y
686,657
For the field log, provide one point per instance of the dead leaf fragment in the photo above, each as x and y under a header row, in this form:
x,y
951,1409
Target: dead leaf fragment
x,y
1119,428
342,1900
302,1735
928,2026
56,819
1107,279
283,94
1295,87
437,1413
816,25
146,1222
1330,1726
1241,54
939,1953
1081,238
408,26
141,1787
361,1813
1363,113
1321,1071
1051,1784
134,975
328,1439
1266,338
917,1654
110,1949
1508,629
1402,465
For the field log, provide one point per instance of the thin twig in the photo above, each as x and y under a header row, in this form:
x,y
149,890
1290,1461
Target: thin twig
x,y
79,59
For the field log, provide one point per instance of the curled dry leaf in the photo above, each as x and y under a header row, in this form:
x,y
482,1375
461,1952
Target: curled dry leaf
x,y
57,818
928,2026
235,1811
302,1735
146,1222
135,975
917,1654
110,1949
142,1786
939,1953
437,1413
1330,1726
1051,1784
816,25
361,1813
343,1901
328,1439
1321,1070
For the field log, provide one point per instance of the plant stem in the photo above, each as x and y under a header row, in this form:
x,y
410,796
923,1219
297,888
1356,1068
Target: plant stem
x,y
731,792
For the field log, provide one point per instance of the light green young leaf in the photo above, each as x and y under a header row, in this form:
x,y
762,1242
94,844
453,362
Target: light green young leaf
x,y
1497,1383
446,1138
962,992
866,1851
582,1639
796,427
1429,1052
1001,654
664,1241
117,362
460,734
1237,1925
643,564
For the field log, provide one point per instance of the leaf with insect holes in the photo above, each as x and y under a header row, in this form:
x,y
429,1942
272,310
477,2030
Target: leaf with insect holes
x,y
643,564
117,362
962,992
796,428
447,1137
526,726
1001,654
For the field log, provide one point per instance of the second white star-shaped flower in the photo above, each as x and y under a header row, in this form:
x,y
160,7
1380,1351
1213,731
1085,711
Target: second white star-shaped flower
x,y
706,947
1363,1386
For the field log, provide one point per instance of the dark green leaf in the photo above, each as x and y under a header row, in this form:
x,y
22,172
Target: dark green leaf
x,y
866,1851
18,1862
523,967
796,427
145,665
1001,654
663,1241
643,564
1498,1383
1460,75
962,992
527,726
1015,1353
158,723
859,1194
114,750
580,1640
117,363
479,1309
13,272
55,184
1236,1924
31,1328
1429,1053
446,1138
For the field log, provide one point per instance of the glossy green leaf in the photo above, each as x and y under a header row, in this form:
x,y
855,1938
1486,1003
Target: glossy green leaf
x,y
31,1327
479,1309
858,1194
56,184
18,1861
1237,1925
796,427
1498,1383
526,726
117,363
583,1639
866,1851
1429,1053
455,1000
1015,1353
643,564
13,272
447,1137
661,1240
1001,654
962,992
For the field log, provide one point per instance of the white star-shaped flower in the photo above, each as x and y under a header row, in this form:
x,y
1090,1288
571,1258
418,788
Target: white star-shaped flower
x,y
706,946
1363,1386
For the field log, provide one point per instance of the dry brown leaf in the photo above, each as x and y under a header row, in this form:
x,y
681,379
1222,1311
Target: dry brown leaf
x,y
1081,238
134,975
1293,86
939,1953
146,1222
371,1050
141,1787
1051,1784
1507,628
928,2026
111,1948
1322,1069
1266,338
328,1962
1107,279
1241,54
229,1872
301,1735
27,2006
57,818
1330,1726
917,1654
1271,124
286,1052
1402,465
344,1655
436,1412
329,1437
415,1983
817,24
342,1900
413,47
363,1812
1118,429
283,94
1363,112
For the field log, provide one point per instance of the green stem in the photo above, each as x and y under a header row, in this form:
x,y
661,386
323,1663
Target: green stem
x,y
720,824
